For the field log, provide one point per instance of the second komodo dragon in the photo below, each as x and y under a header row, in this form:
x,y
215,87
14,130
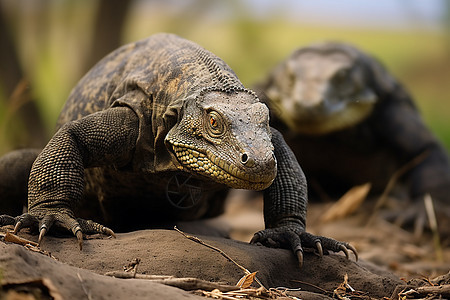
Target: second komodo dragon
x,y
350,122
159,130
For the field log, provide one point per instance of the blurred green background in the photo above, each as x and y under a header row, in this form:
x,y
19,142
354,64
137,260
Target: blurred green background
x,y
47,45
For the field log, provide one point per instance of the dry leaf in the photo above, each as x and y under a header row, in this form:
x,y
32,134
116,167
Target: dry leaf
x,y
246,280
347,204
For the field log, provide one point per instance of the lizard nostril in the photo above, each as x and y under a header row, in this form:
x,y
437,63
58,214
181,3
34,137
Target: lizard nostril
x,y
246,160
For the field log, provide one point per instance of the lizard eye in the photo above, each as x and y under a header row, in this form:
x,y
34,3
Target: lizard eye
x,y
213,122
216,124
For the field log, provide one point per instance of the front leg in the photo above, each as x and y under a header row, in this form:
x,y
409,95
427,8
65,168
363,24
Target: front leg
x,y
56,182
285,204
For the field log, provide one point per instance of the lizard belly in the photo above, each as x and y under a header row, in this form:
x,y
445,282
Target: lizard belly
x,y
129,201
338,166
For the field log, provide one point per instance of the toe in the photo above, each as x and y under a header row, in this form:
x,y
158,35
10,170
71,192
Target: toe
x,y
296,245
89,226
25,221
257,237
68,222
44,226
7,220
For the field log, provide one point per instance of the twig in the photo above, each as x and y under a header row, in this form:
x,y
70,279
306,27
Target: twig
x,y
30,245
39,250
216,294
314,286
197,240
128,275
393,180
132,267
187,284
429,208
442,290
251,293
12,238
442,279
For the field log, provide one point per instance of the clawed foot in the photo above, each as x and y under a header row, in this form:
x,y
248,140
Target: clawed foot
x,y
64,220
296,238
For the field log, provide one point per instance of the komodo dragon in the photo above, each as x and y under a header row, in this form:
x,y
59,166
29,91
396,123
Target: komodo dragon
x,y
164,121
350,122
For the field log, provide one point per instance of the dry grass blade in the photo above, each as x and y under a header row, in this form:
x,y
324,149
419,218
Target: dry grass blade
x,y
393,181
429,208
325,292
197,240
348,203
236,292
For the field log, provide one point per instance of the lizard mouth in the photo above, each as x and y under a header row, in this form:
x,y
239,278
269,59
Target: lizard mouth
x,y
209,165
319,123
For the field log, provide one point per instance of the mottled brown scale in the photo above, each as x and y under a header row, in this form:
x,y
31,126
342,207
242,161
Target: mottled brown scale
x,y
135,136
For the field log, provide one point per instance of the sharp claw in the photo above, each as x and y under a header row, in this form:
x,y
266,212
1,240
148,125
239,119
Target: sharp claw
x,y
17,227
353,249
108,231
344,249
79,236
299,254
42,232
319,248
255,238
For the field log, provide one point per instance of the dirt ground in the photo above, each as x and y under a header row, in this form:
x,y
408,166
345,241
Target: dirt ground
x,y
389,257
377,240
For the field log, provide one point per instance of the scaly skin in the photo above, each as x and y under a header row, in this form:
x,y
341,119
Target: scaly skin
x,y
145,116
350,122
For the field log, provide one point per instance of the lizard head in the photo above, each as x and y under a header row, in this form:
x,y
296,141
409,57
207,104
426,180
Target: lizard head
x,y
322,88
225,135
